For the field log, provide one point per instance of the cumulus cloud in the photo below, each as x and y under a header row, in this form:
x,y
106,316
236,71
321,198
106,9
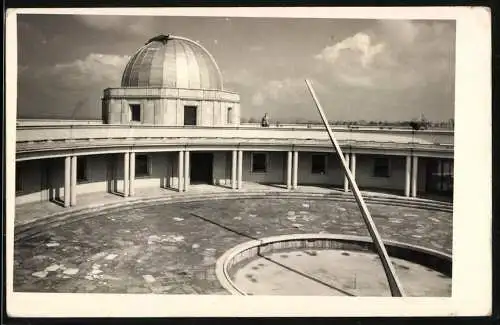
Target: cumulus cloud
x,y
402,67
357,45
292,91
276,90
95,69
392,55
388,70
72,89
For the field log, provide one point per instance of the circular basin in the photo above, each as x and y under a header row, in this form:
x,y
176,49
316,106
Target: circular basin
x,y
339,265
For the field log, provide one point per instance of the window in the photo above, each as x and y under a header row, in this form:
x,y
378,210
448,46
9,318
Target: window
x,y
259,162
81,169
135,112
190,115
19,181
381,167
229,112
318,164
439,175
142,165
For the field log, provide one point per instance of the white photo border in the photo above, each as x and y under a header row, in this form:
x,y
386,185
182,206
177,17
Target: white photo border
x,y
472,242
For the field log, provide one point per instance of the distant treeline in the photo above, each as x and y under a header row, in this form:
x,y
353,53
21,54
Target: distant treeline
x,y
415,124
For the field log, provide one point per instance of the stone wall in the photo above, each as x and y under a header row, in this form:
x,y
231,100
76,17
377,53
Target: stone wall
x,y
166,106
332,176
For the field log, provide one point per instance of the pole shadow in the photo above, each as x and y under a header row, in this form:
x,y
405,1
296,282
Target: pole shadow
x,y
239,233
306,276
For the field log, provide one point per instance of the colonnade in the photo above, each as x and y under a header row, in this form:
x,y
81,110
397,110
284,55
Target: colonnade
x,y
411,173
292,162
184,168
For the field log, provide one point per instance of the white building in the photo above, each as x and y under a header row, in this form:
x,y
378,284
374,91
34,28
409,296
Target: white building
x,y
172,124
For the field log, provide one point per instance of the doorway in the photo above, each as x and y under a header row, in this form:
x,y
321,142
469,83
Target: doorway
x,y
201,167
439,176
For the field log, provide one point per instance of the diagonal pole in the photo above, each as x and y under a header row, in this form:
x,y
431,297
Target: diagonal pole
x,y
394,284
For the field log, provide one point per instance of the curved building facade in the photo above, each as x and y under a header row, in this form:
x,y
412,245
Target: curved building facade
x,y
172,124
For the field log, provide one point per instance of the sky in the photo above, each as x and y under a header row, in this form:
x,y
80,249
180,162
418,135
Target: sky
x,y
384,70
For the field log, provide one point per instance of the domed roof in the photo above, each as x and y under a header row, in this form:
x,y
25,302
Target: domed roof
x,y
172,62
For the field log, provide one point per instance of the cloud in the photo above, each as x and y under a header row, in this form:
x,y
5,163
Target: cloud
x,y
256,48
71,89
358,45
33,34
289,91
95,69
124,24
258,99
392,55
241,78
273,90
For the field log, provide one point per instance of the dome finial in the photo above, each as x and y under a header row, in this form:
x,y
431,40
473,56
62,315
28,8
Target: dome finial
x,y
159,38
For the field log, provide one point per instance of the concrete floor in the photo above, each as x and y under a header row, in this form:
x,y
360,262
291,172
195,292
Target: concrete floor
x,y
172,248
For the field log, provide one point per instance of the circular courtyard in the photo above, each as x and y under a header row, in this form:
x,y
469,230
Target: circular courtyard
x,y
172,247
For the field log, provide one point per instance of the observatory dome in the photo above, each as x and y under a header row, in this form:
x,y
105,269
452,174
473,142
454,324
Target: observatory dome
x,y
168,61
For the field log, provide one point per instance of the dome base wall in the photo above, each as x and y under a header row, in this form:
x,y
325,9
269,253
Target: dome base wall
x,y
166,106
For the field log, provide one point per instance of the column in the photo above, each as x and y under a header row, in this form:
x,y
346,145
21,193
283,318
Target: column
x,y
414,176
353,165
346,181
132,174
186,170
73,180
180,172
295,169
168,171
408,176
289,171
240,169
126,173
67,185
234,163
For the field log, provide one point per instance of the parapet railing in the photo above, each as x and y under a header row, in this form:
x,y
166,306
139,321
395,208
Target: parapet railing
x,y
36,133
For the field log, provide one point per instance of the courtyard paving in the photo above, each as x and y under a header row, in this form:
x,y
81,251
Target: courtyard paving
x,y
172,248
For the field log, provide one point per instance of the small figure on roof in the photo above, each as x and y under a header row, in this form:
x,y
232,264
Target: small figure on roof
x,y
265,121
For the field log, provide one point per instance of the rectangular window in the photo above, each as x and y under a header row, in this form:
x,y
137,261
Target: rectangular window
x,y
81,169
135,112
449,175
318,164
381,167
142,165
259,162
190,115
19,180
229,114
